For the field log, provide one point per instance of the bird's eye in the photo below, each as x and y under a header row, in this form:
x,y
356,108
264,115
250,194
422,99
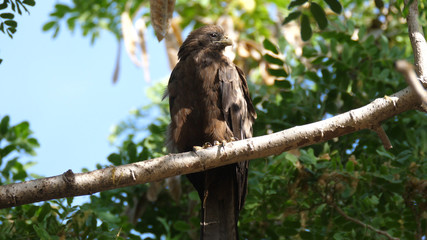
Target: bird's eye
x,y
213,35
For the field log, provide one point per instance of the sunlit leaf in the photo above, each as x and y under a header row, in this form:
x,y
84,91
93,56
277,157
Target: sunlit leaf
x,y
47,26
270,46
319,15
292,16
335,5
296,3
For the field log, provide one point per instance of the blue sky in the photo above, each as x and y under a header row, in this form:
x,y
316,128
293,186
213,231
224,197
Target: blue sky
x,y
63,87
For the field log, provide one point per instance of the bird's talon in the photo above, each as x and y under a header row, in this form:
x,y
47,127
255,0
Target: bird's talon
x,y
207,145
216,143
197,148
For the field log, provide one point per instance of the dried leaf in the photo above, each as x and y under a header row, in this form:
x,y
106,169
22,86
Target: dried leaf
x,y
154,190
177,31
141,29
161,13
130,37
173,40
266,77
226,22
117,66
174,186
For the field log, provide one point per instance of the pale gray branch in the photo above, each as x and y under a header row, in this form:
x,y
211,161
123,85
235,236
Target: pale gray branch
x,y
70,184
418,41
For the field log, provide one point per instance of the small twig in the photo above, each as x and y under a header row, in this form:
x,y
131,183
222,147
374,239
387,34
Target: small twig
x,y
408,72
340,211
383,136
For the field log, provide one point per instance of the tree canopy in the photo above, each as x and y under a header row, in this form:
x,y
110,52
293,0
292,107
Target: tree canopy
x,y
305,61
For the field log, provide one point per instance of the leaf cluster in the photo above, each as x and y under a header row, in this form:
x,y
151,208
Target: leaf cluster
x,y
7,23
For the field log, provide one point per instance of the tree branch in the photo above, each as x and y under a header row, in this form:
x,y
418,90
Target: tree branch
x,y
383,136
418,41
70,184
357,221
411,78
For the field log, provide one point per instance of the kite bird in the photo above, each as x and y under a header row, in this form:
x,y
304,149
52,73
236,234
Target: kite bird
x,y
210,103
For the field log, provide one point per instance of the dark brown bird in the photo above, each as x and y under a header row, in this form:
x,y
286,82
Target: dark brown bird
x,y
209,101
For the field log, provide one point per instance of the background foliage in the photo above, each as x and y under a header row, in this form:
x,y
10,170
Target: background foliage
x,y
345,62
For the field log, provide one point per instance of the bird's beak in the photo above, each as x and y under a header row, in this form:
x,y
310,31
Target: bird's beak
x,y
226,41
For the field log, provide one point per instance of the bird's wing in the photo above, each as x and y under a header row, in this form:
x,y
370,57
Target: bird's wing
x,y
236,103
239,114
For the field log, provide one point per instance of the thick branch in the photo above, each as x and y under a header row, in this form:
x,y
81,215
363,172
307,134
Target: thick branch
x,y
70,184
418,41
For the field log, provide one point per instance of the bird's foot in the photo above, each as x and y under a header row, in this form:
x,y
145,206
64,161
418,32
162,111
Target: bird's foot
x,y
223,142
197,148
205,145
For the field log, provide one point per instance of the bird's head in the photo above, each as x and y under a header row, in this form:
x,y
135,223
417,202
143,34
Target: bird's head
x,y
210,37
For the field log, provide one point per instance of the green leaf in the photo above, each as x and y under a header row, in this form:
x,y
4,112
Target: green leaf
x,y
334,5
181,226
71,23
296,3
11,163
273,60
45,209
22,5
131,149
8,149
31,3
4,125
379,4
305,28
18,8
307,157
55,34
7,15
193,195
11,23
291,16
62,8
3,5
2,27
41,231
349,166
48,25
270,46
319,15
283,84
11,30
115,159
278,72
